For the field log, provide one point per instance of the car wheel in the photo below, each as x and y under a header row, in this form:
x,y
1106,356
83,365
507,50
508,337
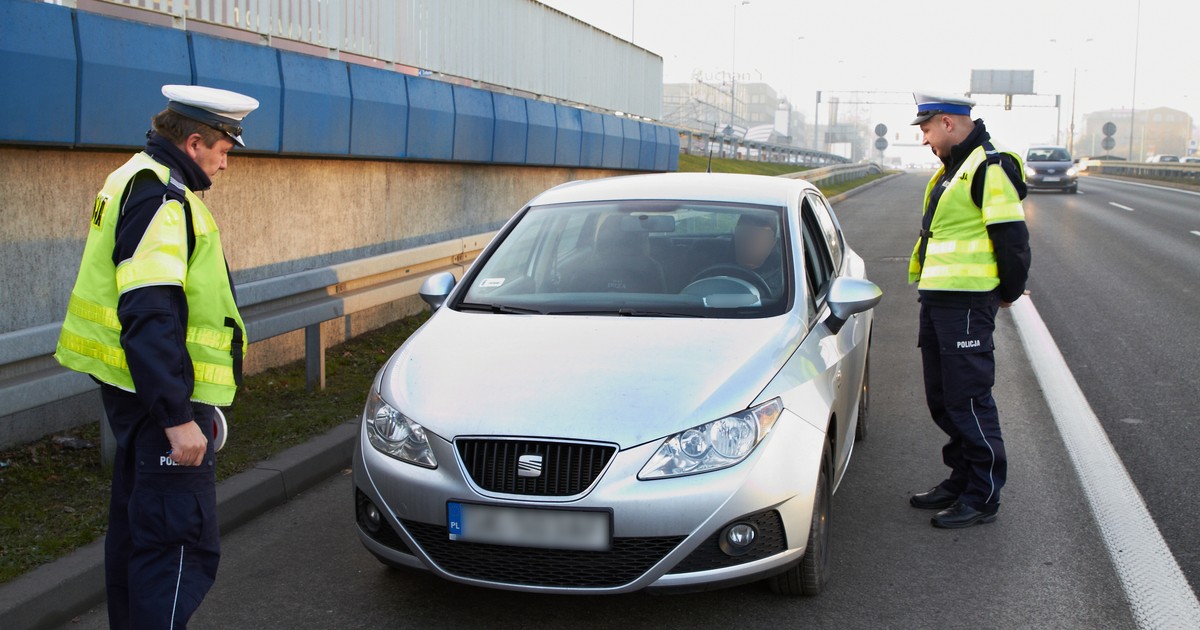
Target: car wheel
x,y
864,402
812,573
1074,189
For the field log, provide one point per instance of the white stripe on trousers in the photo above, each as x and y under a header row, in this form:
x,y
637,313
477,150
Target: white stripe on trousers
x,y
991,482
178,580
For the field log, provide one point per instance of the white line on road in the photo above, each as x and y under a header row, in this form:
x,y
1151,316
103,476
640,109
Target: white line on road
x,y
1159,594
1196,232
1126,208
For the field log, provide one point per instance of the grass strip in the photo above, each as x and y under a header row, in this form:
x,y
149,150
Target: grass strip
x,y
55,495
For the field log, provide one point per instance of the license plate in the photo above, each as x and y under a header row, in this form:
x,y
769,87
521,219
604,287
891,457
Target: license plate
x,y
1050,179
526,527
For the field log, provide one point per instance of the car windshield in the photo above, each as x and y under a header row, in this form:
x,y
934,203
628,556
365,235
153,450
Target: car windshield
x,y
638,258
1051,154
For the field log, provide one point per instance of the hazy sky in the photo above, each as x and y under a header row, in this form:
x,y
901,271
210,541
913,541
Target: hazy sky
x,y
802,46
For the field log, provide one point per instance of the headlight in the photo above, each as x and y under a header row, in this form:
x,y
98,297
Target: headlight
x,y
392,433
1029,172
715,445
1072,172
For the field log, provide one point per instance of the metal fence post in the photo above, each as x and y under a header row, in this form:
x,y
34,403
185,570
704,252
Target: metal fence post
x,y
314,358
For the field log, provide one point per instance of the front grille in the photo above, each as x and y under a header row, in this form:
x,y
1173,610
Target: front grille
x,y
771,540
628,559
568,468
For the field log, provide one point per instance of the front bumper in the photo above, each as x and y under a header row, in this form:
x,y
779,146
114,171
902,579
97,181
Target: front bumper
x,y
1058,181
665,533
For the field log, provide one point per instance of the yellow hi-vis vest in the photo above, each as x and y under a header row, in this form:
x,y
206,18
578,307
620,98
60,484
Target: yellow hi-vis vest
x,y
90,341
959,254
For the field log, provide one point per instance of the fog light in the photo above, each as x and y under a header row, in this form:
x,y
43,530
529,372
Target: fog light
x,y
370,517
738,539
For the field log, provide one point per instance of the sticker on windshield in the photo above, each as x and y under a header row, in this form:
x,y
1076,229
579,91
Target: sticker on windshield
x,y
491,283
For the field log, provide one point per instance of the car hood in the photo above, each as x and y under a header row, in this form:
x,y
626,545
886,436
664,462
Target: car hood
x,y
626,380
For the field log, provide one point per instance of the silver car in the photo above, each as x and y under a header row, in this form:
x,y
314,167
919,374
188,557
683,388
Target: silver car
x,y
644,382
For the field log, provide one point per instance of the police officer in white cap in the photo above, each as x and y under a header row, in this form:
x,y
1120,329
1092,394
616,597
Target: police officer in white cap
x,y
971,258
152,318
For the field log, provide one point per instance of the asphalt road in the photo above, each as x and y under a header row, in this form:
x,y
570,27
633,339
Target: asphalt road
x,y
1116,277
1041,564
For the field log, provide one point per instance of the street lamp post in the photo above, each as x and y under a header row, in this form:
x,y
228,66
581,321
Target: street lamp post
x,y
733,76
1137,34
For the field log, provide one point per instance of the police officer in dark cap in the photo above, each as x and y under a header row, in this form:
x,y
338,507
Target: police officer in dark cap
x,y
971,258
152,318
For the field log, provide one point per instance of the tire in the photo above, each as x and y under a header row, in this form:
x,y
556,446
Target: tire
x,y
1074,189
864,403
810,576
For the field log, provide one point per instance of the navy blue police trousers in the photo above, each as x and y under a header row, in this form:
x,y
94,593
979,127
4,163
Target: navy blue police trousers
x,y
960,370
163,546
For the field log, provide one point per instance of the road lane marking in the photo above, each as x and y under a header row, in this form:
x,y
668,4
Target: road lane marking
x,y
1159,594
1125,208
1196,232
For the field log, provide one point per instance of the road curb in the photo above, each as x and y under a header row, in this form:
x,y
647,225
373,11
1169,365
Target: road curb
x,y
53,593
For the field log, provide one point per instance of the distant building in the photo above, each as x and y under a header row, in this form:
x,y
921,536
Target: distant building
x,y
1161,130
758,113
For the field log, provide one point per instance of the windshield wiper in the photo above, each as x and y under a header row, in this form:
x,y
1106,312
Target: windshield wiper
x,y
625,312
498,308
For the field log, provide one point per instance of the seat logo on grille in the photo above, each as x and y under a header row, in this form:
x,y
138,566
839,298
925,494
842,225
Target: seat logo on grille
x,y
529,465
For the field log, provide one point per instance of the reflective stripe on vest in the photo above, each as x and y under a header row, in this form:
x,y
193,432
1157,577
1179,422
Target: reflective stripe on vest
x,y
959,253
90,338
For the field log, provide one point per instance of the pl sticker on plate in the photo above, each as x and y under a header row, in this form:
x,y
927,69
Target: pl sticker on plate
x,y
491,283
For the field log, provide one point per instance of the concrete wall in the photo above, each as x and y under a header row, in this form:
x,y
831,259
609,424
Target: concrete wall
x,y
277,215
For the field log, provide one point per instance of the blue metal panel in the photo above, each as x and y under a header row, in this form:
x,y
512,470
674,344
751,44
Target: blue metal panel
x,y
662,148
316,105
123,66
633,143
37,86
543,131
673,156
614,138
512,126
379,115
570,136
592,152
474,123
251,70
430,119
646,155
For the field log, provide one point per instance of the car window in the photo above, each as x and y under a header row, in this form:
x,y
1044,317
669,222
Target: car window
x,y
1048,154
818,266
669,258
833,237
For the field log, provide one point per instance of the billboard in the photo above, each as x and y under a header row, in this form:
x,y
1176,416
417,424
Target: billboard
x,y
1002,82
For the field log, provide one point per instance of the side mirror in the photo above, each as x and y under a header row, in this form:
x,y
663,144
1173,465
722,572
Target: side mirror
x,y
848,297
436,288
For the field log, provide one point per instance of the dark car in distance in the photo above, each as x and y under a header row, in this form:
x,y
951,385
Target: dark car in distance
x,y
1050,168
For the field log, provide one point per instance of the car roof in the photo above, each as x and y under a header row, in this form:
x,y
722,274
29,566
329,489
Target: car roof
x,y
754,189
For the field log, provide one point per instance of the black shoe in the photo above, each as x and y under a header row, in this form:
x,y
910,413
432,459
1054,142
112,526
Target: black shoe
x,y
961,515
938,498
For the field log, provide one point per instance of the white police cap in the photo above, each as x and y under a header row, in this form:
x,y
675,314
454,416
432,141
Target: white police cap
x,y
220,109
930,104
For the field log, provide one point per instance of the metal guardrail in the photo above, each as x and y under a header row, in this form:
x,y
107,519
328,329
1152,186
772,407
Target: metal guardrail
x,y
30,378
837,173
1185,173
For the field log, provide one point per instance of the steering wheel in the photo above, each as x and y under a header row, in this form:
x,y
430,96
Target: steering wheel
x,y
736,271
